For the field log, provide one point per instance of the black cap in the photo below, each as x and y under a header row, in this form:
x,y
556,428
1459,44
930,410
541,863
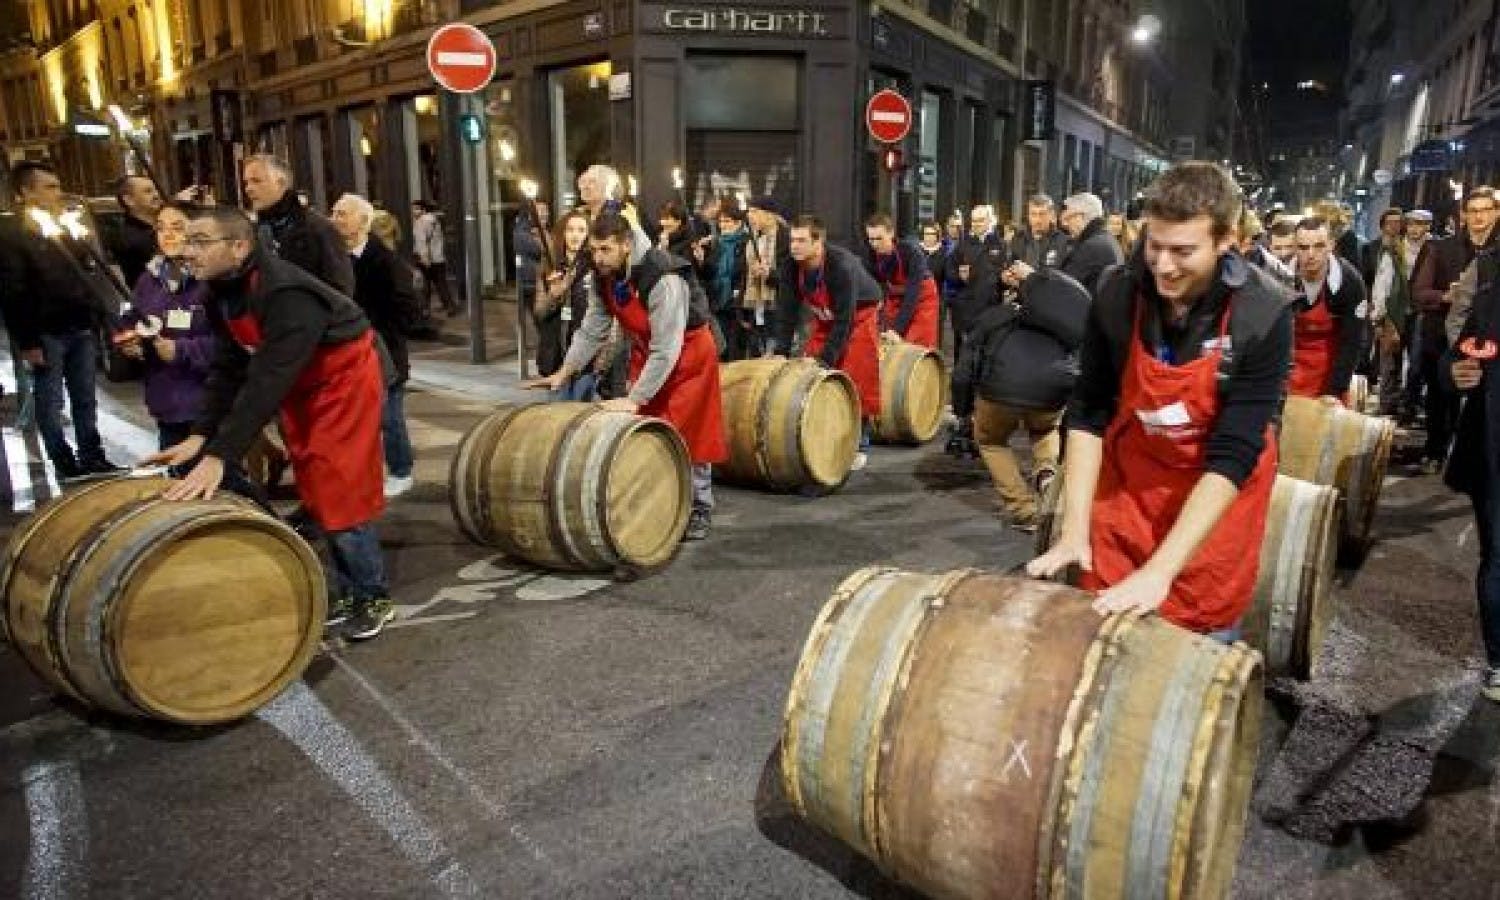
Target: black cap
x,y
767,203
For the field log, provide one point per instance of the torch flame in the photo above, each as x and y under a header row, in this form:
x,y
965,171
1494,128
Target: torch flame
x,y
46,222
677,178
529,188
122,121
507,150
740,196
72,220
632,186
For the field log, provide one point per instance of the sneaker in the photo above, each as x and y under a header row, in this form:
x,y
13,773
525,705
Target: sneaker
x,y
1491,689
860,461
697,526
395,487
370,618
340,610
68,470
101,466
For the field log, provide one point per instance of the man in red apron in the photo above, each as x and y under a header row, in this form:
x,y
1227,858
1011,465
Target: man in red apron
x,y
290,344
1170,459
910,312
674,363
844,301
1330,313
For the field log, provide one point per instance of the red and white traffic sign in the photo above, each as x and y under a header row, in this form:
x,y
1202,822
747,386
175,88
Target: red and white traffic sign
x,y
461,58
888,116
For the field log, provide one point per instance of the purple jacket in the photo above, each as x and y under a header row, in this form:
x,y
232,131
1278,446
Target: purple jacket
x,y
174,390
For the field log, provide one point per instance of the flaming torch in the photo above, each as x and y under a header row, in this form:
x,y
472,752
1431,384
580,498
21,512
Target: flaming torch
x,y
528,190
127,131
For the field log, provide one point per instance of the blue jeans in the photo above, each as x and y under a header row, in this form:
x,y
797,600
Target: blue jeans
x,y
1227,635
581,388
398,456
703,487
71,361
864,435
358,564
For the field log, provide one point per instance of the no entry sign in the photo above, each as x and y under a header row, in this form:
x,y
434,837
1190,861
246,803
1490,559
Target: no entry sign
x,y
461,58
888,116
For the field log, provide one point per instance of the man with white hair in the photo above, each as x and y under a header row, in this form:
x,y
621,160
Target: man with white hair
x,y
1093,250
975,264
383,288
290,230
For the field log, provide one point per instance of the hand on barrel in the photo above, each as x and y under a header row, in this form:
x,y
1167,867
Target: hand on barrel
x,y
1063,554
553,382
1140,593
202,481
620,404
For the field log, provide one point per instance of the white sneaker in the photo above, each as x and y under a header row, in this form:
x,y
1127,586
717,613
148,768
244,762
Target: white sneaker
x,y
860,461
395,487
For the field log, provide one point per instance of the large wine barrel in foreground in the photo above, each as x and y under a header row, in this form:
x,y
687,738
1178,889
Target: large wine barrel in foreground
x,y
913,393
1327,444
792,424
570,486
191,612
986,737
1289,616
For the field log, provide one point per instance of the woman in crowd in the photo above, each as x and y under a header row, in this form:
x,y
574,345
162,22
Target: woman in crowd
x,y
724,265
559,306
172,337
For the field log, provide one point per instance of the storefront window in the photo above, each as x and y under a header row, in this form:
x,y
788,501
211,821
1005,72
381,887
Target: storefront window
x,y
743,117
427,131
364,143
578,108
273,140
929,139
314,161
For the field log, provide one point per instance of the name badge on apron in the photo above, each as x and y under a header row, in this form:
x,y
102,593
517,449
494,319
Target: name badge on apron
x,y
180,319
567,313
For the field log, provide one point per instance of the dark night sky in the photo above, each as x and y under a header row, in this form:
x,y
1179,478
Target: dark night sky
x,y
1296,40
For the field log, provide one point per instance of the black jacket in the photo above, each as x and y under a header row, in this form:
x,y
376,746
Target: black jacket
x,y
48,286
528,250
302,237
1091,254
985,260
914,264
297,315
1252,376
849,287
1343,305
554,333
383,288
1025,355
1474,462
133,246
1038,252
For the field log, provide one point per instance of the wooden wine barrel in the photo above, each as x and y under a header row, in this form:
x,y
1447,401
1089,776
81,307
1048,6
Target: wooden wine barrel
x,y
1327,444
913,393
1293,603
192,612
979,736
570,486
792,424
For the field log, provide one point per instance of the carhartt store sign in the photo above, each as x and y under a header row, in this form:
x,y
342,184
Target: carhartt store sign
x,y
744,20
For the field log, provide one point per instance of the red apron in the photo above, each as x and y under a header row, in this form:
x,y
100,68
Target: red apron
x,y
1153,457
690,398
1313,349
923,328
861,359
330,420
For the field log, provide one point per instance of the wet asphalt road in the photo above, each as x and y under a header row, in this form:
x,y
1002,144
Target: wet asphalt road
x,y
519,734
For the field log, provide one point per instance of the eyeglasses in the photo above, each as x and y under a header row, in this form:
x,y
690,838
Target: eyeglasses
x,y
198,242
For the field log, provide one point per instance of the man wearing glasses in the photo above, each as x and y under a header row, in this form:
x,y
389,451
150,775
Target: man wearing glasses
x,y
290,343
1438,267
1328,332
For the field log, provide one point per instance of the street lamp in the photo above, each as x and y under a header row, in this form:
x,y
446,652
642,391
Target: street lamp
x,y
1147,27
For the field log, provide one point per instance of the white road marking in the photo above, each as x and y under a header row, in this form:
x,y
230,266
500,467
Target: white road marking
x,y
495,807
59,831
303,719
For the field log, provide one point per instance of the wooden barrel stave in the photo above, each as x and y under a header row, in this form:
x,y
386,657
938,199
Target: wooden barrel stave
x,y
137,617
913,394
1327,444
569,486
933,687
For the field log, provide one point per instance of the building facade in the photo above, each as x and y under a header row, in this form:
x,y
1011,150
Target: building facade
x,y
743,98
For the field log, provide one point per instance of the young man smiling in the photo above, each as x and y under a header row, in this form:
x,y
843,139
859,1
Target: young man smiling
x,y
1170,457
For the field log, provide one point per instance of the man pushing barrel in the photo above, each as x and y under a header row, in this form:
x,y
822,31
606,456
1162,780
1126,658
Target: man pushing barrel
x,y
910,312
674,363
1170,455
845,301
291,344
